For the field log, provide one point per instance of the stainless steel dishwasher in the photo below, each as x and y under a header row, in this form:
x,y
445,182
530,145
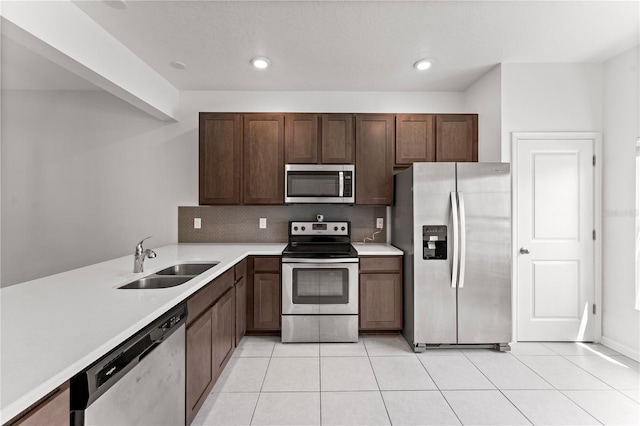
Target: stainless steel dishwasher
x,y
141,382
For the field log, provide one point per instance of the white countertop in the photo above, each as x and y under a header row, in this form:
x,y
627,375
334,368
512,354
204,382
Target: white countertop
x,y
54,327
376,249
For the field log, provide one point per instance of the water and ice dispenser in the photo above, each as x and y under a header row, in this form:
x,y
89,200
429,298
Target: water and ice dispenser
x,y
434,242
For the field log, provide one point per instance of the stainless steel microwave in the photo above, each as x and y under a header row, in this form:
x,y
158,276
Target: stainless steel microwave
x,y
319,183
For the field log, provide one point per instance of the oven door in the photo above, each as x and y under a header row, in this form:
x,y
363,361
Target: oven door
x,y
320,288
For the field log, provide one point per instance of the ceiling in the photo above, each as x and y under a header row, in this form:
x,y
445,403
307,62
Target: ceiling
x,y
350,45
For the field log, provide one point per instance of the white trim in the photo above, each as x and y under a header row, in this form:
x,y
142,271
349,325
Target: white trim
x,y
596,137
623,349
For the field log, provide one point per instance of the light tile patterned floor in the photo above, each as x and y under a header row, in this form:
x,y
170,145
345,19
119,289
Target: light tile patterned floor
x,y
380,381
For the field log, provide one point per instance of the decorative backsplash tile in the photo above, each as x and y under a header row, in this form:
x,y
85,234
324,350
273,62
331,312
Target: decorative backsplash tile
x,y
239,224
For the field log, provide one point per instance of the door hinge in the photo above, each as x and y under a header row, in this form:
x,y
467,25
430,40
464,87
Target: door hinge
x,y
594,309
594,234
594,160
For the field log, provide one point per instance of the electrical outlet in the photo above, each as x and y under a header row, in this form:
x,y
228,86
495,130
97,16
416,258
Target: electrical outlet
x,y
197,223
380,223
263,223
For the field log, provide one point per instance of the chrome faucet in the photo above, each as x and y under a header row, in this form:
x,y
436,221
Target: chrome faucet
x,y
139,256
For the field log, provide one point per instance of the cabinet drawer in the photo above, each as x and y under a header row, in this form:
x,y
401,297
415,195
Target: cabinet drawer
x,y
240,269
381,264
199,302
266,264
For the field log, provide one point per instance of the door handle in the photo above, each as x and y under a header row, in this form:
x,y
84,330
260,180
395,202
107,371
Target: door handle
x,y
463,240
524,250
454,214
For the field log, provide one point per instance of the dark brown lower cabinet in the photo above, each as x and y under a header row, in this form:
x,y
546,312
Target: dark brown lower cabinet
x,y
241,308
54,410
200,362
210,338
263,295
381,293
224,339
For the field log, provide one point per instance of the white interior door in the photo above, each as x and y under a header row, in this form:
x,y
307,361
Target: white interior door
x,y
555,248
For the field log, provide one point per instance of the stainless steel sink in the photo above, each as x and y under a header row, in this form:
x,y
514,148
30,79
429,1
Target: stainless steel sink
x,y
187,269
171,276
157,281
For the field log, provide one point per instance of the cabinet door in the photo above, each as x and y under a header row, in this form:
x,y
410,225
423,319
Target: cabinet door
x,y
266,302
241,308
374,158
200,374
224,333
264,159
220,157
337,139
380,302
301,138
457,137
415,139
53,411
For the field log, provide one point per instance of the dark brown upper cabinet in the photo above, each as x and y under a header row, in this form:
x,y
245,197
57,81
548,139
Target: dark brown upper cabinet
x,y
319,139
263,159
337,139
415,139
301,134
457,137
374,158
220,158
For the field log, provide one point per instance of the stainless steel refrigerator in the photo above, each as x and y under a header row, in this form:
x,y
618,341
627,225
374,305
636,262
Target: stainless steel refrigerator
x,y
453,222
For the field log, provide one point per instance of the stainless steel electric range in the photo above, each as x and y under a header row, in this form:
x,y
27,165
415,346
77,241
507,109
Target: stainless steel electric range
x,y
319,283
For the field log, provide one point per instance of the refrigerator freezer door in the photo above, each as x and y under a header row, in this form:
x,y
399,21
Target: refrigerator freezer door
x,y
434,300
484,295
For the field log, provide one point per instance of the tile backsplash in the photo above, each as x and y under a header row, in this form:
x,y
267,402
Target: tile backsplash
x,y
239,224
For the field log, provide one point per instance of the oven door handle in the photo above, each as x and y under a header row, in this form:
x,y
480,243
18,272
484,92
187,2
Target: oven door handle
x,y
316,260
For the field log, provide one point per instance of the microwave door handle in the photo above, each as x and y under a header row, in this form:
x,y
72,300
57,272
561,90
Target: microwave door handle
x,y
341,184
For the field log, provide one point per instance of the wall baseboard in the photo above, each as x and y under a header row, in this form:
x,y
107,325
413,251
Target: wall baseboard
x,y
632,353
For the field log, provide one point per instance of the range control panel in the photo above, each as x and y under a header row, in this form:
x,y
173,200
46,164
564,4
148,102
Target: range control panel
x,y
319,228
434,242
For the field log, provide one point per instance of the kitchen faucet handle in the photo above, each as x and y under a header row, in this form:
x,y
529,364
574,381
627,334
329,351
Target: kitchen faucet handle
x,y
139,246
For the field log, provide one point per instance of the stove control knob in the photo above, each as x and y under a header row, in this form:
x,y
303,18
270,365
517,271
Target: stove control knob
x,y
335,228
303,228
343,228
295,228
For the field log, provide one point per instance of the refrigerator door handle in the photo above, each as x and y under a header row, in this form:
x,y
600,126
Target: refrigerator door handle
x,y
454,214
463,240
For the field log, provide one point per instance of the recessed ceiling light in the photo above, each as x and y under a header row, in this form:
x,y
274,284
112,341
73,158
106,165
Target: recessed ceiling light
x,y
422,64
260,62
117,4
178,65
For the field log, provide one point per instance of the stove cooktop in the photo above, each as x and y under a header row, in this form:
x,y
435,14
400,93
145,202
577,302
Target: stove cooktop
x,y
320,250
322,240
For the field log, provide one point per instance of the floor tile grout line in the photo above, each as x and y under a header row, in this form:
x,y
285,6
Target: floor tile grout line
x,y
590,373
384,404
578,405
262,384
439,390
500,390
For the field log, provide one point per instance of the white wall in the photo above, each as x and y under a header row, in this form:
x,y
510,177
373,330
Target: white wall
x,y
621,322
550,97
484,97
84,177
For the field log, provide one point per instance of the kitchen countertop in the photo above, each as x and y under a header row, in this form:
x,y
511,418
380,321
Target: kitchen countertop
x,y
54,327
376,249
